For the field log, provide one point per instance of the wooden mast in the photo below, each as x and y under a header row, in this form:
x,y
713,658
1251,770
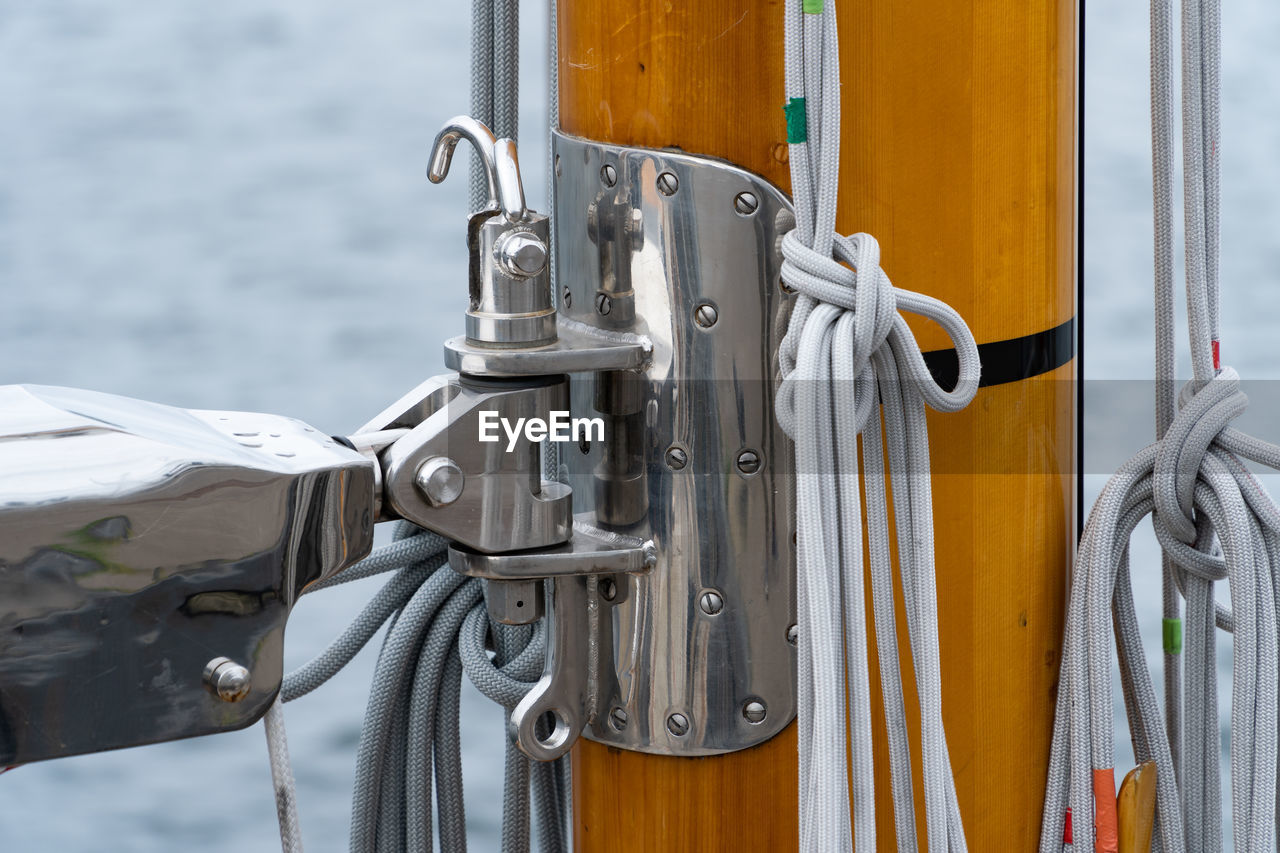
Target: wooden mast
x,y
959,134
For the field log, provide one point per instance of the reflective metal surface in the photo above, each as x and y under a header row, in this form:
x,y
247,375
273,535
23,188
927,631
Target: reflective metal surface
x,y
577,348
692,458
140,541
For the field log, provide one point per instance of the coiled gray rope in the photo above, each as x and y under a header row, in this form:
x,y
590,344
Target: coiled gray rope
x,y
438,629
848,357
1213,520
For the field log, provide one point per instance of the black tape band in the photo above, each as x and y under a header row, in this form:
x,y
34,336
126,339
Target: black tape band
x,y
1009,361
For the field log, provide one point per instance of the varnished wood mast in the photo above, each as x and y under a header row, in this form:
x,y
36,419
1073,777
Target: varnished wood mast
x,y
959,156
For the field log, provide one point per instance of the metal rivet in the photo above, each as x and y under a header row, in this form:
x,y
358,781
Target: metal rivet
x,y
793,634
678,724
668,183
711,602
748,462
676,458
227,680
566,299
705,315
754,711
521,254
603,303
440,480
608,589
618,719
608,174
746,203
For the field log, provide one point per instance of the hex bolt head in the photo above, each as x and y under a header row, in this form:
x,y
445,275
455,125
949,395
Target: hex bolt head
x,y
793,634
227,680
618,719
440,480
603,303
521,254
711,602
677,458
706,315
608,175
566,299
668,183
748,462
746,203
754,712
608,589
678,724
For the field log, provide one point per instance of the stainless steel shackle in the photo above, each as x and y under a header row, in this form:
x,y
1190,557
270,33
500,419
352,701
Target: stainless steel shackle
x,y
501,166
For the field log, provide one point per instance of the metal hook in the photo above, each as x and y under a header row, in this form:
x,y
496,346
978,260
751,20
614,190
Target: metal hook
x,y
501,167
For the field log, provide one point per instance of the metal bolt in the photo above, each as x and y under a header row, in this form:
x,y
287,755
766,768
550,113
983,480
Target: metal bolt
x,y
748,462
440,480
678,724
603,303
608,589
608,174
711,602
754,711
746,203
521,254
566,299
676,458
227,680
705,315
618,719
793,634
668,183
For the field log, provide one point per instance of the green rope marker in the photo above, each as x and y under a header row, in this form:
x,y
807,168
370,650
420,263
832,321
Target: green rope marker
x,y
813,7
797,124
1173,636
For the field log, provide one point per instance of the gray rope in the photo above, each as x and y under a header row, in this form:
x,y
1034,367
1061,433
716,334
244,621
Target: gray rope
x,y
1213,520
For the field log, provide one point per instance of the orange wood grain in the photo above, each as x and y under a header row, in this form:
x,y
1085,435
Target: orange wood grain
x,y
958,154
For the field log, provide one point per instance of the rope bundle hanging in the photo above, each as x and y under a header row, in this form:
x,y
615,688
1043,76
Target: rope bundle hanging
x,y
847,359
1213,520
439,628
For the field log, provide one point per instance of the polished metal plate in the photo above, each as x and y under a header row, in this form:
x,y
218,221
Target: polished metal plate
x,y
684,252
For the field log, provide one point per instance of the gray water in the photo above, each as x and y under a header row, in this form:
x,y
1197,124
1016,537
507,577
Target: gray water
x,y
225,206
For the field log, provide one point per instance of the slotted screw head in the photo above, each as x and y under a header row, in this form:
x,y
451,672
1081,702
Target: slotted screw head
x,y
711,602
706,315
566,299
754,711
608,175
608,589
668,183
677,458
793,634
746,203
678,724
748,462
618,719
603,303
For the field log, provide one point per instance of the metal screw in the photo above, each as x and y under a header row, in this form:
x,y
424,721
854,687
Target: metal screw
x,y
618,719
746,203
748,462
522,254
608,174
668,183
558,166
603,303
705,315
793,634
678,724
227,680
440,480
676,458
754,711
608,589
711,602
566,299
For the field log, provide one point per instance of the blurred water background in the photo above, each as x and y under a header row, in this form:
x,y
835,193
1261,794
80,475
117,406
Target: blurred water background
x,y
226,207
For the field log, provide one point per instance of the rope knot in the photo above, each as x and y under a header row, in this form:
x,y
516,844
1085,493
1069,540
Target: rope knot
x,y
1203,413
